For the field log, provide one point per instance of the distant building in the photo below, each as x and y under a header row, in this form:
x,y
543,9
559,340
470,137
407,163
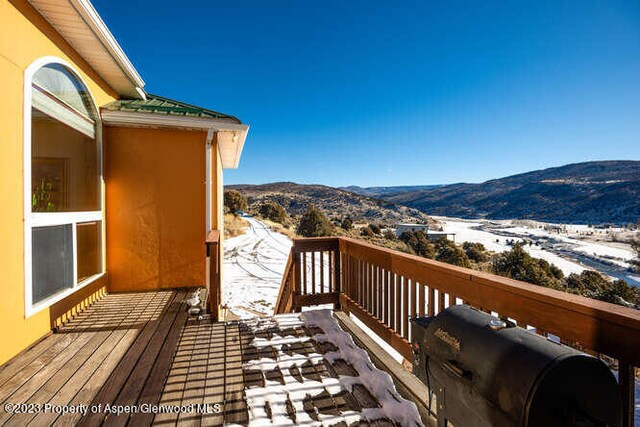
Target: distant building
x,y
431,234
435,235
401,228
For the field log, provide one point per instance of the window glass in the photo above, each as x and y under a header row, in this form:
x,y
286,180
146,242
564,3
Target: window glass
x,y
89,238
58,81
52,260
65,173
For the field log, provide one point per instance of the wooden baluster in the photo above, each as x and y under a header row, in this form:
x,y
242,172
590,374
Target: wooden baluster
x,y
372,289
431,309
330,271
440,301
368,302
414,298
379,293
405,307
420,300
626,379
337,273
304,272
313,272
322,289
385,297
414,302
296,280
360,282
392,300
398,307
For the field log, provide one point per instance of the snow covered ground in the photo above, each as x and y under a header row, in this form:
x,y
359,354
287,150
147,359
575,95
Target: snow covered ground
x,y
253,268
569,253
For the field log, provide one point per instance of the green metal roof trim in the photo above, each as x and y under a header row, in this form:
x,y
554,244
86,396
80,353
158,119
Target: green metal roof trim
x,y
160,105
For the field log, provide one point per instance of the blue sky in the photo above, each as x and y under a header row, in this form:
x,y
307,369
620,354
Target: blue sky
x,y
398,93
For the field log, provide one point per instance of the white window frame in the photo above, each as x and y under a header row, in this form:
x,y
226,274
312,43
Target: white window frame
x,y
40,219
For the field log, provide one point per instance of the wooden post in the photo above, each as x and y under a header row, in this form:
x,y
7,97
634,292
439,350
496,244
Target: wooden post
x,y
212,242
627,378
337,277
297,276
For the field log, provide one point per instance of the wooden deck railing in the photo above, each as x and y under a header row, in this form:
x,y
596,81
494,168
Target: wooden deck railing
x,y
215,291
385,288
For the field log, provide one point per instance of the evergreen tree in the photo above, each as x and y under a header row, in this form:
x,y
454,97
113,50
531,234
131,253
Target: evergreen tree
x,y
274,211
447,251
234,201
314,223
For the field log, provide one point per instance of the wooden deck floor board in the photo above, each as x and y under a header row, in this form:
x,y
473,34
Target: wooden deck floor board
x,y
84,384
130,391
112,388
139,348
152,389
22,368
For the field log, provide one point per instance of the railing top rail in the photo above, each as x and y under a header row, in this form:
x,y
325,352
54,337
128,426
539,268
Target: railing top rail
x,y
308,244
578,303
213,236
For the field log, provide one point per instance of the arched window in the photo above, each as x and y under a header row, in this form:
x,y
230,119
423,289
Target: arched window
x,y
63,181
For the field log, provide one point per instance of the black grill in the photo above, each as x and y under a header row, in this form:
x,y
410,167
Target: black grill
x,y
488,372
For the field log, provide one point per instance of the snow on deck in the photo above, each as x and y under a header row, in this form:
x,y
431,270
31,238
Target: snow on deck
x,y
304,369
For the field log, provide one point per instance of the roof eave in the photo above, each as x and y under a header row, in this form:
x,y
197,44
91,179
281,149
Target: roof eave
x,y
230,147
129,84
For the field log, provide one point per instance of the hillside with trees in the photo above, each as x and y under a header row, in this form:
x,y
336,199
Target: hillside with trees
x,y
336,203
581,193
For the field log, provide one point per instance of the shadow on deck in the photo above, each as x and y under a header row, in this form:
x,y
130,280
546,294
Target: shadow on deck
x,y
142,353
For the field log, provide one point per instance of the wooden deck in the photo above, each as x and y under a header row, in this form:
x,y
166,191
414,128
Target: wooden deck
x,y
142,351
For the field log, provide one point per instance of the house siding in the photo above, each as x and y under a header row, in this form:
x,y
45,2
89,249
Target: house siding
x,y
25,37
156,204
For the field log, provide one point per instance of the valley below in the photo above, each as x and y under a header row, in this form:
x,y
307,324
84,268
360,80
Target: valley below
x,y
572,248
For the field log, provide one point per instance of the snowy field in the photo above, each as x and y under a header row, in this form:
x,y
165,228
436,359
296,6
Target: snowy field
x,y
567,251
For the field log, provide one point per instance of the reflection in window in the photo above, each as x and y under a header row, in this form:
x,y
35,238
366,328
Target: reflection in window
x,y
52,265
64,167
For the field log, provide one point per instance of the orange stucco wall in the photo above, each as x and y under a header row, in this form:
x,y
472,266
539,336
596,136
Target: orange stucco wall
x,y
25,37
156,204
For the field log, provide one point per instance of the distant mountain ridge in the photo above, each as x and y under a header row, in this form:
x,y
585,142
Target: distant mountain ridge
x,y
386,191
590,192
335,202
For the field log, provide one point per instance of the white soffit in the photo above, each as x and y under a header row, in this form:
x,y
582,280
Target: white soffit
x,y
81,26
230,145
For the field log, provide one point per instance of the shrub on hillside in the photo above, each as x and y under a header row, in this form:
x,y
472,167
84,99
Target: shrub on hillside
x,y
447,251
635,244
347,224
314,223
519,265
273,211
390,235
366,232
419,243
374,228
475,251
234,201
